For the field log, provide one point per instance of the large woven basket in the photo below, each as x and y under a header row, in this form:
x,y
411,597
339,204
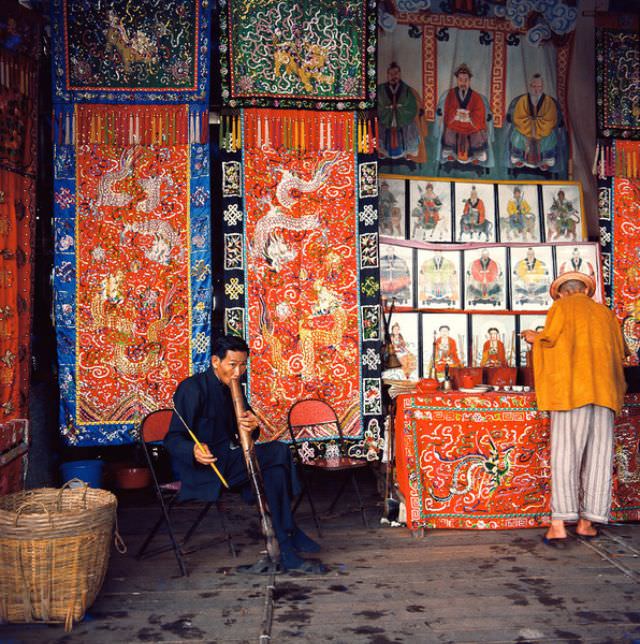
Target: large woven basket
x,y
54,551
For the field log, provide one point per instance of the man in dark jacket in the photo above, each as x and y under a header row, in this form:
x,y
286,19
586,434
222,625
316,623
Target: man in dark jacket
x,y
204,403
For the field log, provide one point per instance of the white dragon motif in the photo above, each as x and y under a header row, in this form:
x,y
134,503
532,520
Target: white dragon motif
x,y
165,238
290,182
107,196
151,186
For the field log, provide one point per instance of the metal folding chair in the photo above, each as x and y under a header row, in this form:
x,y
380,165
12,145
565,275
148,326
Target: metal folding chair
x,y
153,429
312,418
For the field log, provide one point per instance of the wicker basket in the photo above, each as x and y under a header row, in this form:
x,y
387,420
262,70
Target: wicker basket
x,y
54,551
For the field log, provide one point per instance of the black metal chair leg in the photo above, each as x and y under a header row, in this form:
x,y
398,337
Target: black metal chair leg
x,y
163,518
356,487
343,485
197,522
229,538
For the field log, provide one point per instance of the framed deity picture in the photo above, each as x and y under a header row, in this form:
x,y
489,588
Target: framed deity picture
x,y
396,274
405,339
439,279
582,258
563,213
531,277
532,323
475,212
485,278
444,342
493,340
430,208
518,213
391,207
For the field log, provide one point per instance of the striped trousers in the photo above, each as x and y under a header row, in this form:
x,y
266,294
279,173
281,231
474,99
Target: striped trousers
x,y
581,463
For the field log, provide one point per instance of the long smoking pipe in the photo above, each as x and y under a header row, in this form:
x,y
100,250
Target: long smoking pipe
x,y
255,476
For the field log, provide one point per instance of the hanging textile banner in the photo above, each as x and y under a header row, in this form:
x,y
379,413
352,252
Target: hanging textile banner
x,y
626,262
301,269
618,89
130,52
311,53
476,94
132,263
18,165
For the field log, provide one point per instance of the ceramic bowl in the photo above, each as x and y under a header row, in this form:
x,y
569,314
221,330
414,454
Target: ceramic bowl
x,y
427,385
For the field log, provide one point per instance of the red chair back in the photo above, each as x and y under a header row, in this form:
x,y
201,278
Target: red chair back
x,y
313,418
156,425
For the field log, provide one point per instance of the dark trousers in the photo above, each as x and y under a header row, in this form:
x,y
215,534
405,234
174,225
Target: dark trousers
x,y
280,479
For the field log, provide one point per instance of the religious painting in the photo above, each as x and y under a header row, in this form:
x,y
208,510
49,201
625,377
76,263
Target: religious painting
x,y
531,323
493,340
444,343
518,213
485,278
402,127
439,279
562,212
475,212
582,258
396,274
391,207
431,217
535,141
486,84
531,276
403,330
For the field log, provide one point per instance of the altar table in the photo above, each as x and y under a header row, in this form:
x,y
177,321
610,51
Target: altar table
x,y
481,461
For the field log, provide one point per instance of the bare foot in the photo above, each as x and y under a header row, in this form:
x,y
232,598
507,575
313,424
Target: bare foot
x,y
585,528
556,530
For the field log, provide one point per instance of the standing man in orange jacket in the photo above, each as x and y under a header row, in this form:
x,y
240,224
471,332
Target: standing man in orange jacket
x,y
577,362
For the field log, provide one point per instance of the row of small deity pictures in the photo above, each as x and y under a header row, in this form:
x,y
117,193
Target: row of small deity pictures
x,y
465,211
514,278
458,340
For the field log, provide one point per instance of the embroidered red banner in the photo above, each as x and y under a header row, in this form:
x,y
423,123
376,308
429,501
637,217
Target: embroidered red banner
x,y
301,269
626,262
133,276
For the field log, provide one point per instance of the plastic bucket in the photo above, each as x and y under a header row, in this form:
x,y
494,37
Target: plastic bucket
x,y
88,471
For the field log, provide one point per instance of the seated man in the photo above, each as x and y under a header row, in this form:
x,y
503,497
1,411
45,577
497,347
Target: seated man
x,y
204,402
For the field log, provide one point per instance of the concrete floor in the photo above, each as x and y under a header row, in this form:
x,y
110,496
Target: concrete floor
x,y
383,585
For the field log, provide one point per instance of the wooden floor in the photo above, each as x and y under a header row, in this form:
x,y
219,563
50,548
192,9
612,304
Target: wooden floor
x,y
384,585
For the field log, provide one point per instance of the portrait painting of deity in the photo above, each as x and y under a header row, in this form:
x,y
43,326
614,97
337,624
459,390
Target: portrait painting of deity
x,y
464,126
493,340
431,211
404,335
562,210
391,201
582,258
444,343
531,277
402,127
475,212
485,278
396,274
518,213
525,323
439,278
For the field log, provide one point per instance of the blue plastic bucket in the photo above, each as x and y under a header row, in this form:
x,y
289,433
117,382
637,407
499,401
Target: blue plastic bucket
x,y
88,471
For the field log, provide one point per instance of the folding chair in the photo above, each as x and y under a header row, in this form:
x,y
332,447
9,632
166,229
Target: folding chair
x,y
312,418
153,429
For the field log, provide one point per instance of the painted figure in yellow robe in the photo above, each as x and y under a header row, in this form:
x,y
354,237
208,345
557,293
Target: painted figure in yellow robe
x,y
535,120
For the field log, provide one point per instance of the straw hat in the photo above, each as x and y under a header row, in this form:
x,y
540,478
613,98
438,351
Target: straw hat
x,y
590,285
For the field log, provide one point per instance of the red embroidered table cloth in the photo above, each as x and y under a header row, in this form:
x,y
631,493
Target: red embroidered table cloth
x,y
482,461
